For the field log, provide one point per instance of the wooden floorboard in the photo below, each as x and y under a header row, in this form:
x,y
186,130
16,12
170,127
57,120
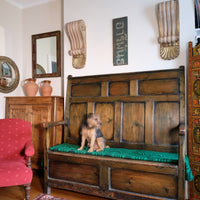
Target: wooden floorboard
x,y
17,192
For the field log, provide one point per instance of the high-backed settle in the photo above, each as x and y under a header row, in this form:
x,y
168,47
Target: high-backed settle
x,y
144,111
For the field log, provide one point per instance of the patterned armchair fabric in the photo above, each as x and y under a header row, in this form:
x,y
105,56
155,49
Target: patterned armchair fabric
x,y
16,148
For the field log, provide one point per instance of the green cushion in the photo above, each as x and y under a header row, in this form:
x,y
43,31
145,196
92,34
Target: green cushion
x,y
129,154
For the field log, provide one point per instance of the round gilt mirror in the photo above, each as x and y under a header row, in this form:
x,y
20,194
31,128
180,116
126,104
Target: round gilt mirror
x,y
9,75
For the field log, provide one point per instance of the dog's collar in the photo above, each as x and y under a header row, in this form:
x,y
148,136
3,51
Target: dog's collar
x,y
91,127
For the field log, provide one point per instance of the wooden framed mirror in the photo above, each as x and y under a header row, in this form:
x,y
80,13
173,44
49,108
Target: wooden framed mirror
x,y
9,75
46,55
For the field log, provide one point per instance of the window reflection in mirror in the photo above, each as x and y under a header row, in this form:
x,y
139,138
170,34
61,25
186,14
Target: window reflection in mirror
x,y
6,70
9,75
6,74
46,55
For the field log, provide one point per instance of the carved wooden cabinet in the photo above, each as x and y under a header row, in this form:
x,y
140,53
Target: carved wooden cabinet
x,y
37,110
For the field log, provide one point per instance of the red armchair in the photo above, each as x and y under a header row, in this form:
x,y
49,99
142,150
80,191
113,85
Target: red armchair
x,y
16,149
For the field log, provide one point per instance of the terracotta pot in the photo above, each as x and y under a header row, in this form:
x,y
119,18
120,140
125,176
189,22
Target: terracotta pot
x,y
46,88
3,82
30,86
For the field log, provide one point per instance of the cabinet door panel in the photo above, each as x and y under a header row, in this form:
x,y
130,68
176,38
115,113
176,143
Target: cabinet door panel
x,y
40,113
18,111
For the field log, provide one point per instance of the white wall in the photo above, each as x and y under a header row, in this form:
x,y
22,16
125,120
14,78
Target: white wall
x,y
17,26
10,43
143,48
41,19
142,34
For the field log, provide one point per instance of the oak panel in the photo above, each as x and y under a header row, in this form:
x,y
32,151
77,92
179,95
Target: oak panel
x,y
77,116
86,90
167,86
118,88
76,172
166,121
144,183
133,122
106,113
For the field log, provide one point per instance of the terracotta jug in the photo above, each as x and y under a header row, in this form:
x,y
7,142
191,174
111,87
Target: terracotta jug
x,y
3,82
46,88
30,86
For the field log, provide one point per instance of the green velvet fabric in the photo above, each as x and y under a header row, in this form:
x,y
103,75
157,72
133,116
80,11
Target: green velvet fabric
x,y
129,154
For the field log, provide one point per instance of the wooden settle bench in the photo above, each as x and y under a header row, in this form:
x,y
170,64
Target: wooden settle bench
x,y
143,111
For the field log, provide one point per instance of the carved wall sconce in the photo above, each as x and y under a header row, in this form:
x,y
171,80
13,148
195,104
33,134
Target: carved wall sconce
x,y
168,24
76,32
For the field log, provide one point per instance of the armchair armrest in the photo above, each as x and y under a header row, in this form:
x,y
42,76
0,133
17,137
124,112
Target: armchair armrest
x,y
29,149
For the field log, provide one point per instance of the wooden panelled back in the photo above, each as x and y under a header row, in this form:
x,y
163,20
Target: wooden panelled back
x,y
138,110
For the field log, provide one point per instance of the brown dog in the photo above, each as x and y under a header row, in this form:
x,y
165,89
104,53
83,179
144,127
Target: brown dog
x,y
92,133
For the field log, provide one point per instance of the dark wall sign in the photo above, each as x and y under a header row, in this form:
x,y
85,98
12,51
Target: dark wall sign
x,y
120,41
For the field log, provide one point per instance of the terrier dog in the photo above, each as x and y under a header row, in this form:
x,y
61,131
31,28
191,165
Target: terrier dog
x,y
91,133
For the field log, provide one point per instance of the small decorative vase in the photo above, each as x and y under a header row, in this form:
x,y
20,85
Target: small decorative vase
x,y
30,86
46,88
3,82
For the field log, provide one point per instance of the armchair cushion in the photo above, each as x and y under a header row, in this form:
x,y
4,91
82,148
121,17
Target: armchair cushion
x,y
14,172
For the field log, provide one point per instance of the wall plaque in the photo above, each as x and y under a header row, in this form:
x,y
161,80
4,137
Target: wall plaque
x,y
120,41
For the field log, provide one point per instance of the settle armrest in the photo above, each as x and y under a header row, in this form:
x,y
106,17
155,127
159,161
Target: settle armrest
x,y
47,126
182,133
51,124
181,160
182,129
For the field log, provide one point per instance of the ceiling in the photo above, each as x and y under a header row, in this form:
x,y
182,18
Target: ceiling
x,y
27,3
